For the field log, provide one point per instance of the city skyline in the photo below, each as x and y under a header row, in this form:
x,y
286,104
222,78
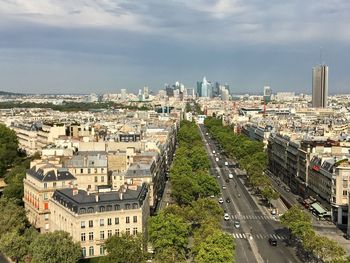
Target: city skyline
x,y
102,47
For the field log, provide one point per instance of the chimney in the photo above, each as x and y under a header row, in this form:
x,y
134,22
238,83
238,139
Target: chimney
x,y
75,191
96,196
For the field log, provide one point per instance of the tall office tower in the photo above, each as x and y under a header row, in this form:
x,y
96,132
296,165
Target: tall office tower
x,y
319,86
228,88
199,89
205,88
145,92
123,94
267,91
169,90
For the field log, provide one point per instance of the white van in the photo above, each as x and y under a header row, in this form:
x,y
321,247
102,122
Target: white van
x,y
230,176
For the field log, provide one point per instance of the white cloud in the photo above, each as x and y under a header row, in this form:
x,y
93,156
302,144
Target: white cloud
x,y
216,21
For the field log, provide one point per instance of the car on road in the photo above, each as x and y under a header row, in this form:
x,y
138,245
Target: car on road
x,y
273,242
217,159
227,180
228,200
226,217
230,176
237,224
273,212
224,187
221,200
214,152
226,163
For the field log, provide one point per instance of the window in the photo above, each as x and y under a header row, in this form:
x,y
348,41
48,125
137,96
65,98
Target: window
x,y
83,251
45,185
116,221
135,206
102,208
102,235
91,251
46,216
95,170
117,207
135,219
134,231
90,210
81,171
91,223
127,206
82,237
45,196
82,210
127,231
117,232
109,221
109,208
127,220
89,171
46,226
102,251
102,222
95,179
91,236
102,179
109,234
54,184
345,192
63,183
46,205
82,224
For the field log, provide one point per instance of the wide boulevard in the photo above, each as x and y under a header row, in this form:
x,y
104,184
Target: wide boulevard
x,y
256,224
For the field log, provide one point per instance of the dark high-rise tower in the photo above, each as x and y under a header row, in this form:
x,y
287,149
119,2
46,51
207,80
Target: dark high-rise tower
x,y
319,86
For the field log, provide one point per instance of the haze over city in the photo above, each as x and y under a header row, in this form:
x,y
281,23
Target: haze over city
x,y
52,46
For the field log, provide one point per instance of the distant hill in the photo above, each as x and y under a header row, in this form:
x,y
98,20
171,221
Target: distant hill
x,y
9,93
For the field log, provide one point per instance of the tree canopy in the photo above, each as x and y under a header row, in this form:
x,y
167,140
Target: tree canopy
x,y
55,247
124,249
8,148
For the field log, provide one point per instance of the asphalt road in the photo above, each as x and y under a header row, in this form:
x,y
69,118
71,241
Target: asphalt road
x,y
256,226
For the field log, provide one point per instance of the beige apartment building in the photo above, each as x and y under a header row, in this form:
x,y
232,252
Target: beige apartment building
x,y
90,169
91,218
41,180
27,137
48,133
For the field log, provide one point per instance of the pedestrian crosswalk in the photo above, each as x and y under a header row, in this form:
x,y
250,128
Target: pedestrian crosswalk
x,y
252,217
258,236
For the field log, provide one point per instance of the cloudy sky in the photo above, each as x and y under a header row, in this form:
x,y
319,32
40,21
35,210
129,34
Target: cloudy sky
x,y
84,46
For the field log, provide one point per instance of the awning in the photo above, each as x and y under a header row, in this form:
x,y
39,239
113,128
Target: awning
x,y
319,209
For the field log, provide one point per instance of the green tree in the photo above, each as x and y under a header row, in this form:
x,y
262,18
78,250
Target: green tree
x,y
217,248
8,148
55,247
170,255
12,217
168,230
124,249
17,246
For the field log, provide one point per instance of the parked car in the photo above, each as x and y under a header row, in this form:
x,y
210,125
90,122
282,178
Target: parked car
x,y
237,224
228,200
230,176
221,200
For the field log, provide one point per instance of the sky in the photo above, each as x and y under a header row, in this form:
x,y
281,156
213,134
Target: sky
x,y
102,46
